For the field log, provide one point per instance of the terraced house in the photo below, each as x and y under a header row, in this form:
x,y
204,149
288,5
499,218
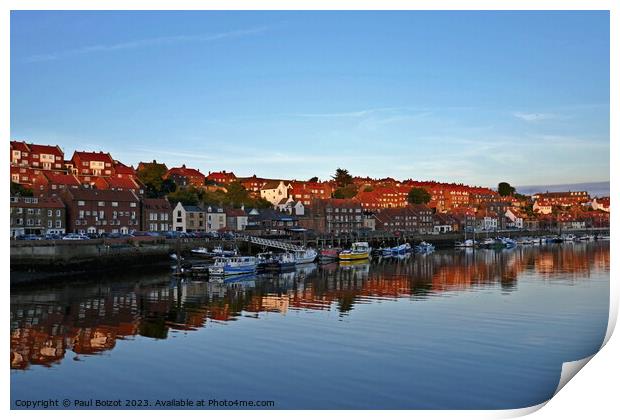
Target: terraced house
x,y
101,211
37,216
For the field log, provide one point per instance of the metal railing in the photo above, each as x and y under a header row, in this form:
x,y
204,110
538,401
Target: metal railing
x,y
271,243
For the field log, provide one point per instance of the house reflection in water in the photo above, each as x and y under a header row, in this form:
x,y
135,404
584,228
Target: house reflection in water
x,y
49,323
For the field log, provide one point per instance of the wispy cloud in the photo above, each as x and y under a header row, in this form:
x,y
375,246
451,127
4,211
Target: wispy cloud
x,y
347,114
146,42
534,117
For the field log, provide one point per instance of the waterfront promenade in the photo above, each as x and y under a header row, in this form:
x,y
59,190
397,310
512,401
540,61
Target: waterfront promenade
x,y
58,257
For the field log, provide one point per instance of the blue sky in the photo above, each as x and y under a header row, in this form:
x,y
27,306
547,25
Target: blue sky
x,y
474,97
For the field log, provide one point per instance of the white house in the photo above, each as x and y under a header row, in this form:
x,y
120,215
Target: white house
x,y
274,191
215,218
515,218
188,218
542,207
601,204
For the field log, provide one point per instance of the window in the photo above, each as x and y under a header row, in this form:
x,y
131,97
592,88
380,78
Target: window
x,y
57,213
81,203
29,222
132,204
58,224
49,213
114,203
81,213
101,204
30,211
133,214
101,214
114,214
49,223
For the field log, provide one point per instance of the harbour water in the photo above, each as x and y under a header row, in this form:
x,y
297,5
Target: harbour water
x,y
455,329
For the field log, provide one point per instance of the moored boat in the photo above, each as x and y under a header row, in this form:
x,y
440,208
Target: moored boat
x,y
468,243
401,249
281,262
329,254
358,251
424,247
305,256
226,266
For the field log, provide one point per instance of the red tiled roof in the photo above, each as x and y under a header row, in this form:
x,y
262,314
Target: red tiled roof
x,y
121,168
47,202
49,150
156,204
125,183
62,179
19,145
93,156
183,171
103,195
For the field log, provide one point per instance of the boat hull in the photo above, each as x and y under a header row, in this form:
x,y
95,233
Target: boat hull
x,y
354,256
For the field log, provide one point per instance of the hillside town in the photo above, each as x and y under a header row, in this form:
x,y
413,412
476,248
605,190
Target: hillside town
x,y
93,195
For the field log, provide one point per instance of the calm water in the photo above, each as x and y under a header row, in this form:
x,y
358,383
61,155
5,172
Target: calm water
x,y
453,329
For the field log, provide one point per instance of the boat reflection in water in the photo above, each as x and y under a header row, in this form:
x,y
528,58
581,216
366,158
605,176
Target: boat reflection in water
x,y
54,325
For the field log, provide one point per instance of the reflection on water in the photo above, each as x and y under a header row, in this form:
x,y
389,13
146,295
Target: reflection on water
x,y
57,325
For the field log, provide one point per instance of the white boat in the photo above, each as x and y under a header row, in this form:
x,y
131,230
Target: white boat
x,y
603,237
468,243
568,237
525,241
305,256
488,242
586,238
218,251
201,251
424,247
507,242
401,249
227,266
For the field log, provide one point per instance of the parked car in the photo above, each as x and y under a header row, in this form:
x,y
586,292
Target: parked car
x,y
29,237
75,237
228,236
52,236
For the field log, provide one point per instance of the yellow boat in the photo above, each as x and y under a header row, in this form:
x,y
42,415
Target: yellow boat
x,y
358,251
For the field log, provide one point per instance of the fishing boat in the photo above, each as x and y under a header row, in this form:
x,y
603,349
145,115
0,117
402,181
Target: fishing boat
x,y
263,259
305,256
401,249
358,251
568,237
507,242
218,251
329,254
226,266
488,243
524,241
468,243
424,247
281,262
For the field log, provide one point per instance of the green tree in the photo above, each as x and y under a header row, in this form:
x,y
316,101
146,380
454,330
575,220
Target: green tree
x,y
186,196
152,176
349,191
504,189
418,196
18,190
314,179
342,178
368,188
